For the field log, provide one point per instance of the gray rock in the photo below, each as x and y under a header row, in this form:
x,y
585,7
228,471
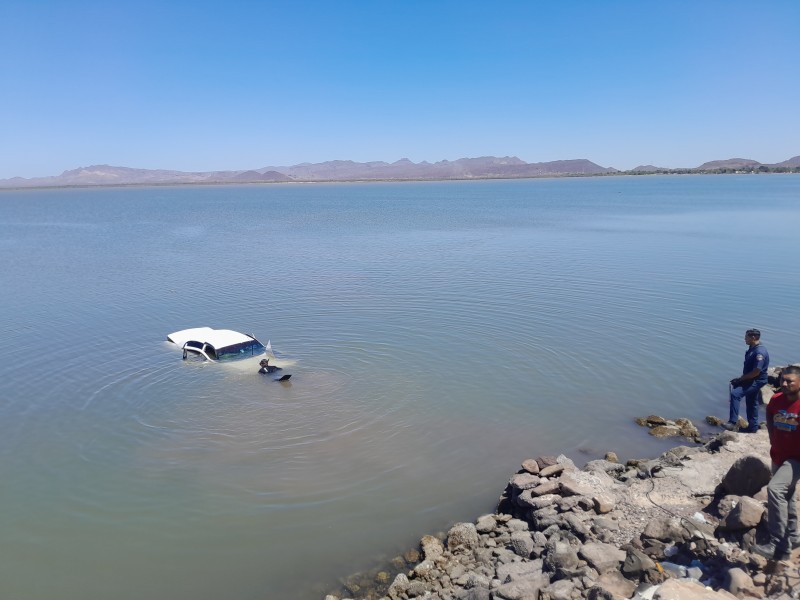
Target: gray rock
x,y
417,588
400,584
566,462
523,589
686,589
474,594
571,486
517,525
462,537
476,580
746,514
577,526
739,583
747,476
560,556
522,543
603,503
560,590
503,556
531,466
424,570
546,461
727,504
432,547
524,481
602,557
551,530
665,529
538,502
544,518
636,563
539,539
526,499
456,570
551,470
568,503
600,523
663,431
598,593
486,524
652,421
688,429
616,584
519,570
548,487
605,466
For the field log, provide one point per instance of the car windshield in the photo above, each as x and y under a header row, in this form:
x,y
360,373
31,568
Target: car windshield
x,y
243,350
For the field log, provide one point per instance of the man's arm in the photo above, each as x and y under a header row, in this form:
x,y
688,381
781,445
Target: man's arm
x,y
749,376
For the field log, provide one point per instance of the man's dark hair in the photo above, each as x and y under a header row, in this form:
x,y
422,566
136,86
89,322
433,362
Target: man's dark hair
x,y
755,333
790,370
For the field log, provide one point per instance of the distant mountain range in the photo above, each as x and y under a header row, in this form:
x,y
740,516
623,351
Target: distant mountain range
x,y
487,167
731,164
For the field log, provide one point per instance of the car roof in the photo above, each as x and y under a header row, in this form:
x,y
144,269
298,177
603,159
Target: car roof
x,y
219,338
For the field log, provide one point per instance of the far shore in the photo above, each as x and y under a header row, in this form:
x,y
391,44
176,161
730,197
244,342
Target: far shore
x,y
357,181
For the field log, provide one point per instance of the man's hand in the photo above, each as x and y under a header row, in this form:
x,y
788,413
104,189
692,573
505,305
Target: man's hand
x,y
735,382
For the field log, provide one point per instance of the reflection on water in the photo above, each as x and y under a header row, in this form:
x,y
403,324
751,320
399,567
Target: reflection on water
x,y
437,334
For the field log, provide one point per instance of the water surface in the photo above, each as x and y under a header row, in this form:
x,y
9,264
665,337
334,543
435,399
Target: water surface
x,y
438,334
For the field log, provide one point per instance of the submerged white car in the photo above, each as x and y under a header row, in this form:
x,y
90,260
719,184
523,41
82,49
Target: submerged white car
x,y
218,345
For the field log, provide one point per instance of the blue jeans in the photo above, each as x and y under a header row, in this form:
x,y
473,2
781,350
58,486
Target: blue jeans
x,y
751,394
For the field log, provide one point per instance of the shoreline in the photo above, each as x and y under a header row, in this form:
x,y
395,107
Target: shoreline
x,y
677,526
355,181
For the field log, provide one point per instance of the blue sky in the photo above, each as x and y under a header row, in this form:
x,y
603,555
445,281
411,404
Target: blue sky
x,y
206,85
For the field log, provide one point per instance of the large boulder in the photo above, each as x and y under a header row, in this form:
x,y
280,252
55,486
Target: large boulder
x,y
747,476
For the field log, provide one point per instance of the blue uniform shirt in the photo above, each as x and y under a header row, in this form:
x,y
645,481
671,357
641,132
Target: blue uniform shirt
x,y
756,357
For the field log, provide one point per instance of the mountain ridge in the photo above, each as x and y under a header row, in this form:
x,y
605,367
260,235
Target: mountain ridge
x,y
482,167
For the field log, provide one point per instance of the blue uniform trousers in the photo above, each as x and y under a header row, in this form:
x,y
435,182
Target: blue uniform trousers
x,y
751,394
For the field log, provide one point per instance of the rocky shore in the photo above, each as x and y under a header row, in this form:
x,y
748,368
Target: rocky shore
x,y
680,526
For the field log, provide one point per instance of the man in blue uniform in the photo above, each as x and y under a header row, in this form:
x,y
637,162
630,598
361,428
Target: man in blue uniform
x,y
749,384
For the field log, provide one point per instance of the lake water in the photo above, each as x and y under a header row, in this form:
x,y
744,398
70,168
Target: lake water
x,y
437,333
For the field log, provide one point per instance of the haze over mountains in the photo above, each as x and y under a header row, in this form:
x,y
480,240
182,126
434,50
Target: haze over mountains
x,y
488,167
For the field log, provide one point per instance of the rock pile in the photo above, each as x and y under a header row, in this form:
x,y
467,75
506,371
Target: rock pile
x,y
679,526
